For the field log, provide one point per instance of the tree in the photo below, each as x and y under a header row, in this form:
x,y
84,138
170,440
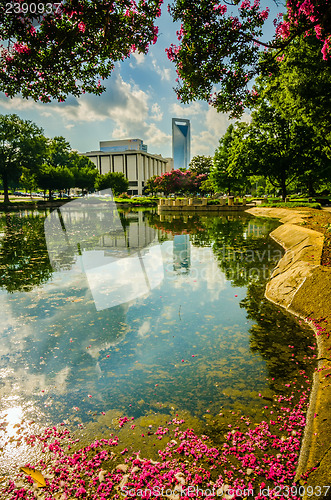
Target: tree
x,y
300,86
227,176
280,149
150,186
84,171
67,47
201,164
179,181
113,180
221,48
28,180
55,178
54,173
207,186
22,145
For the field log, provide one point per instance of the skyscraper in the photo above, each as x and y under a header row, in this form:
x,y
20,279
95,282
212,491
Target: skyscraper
x,y
181,142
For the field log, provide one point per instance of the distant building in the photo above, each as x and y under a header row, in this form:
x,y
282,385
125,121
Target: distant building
x,y
123,145
131,158
181,142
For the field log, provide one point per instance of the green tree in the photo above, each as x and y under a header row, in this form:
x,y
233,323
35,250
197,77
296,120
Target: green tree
x,y
207,186
114,181
54,173
282,150
84,171
67,48
150,186
55,178
201,164
58,152
22,145
28,180
300,87
226,175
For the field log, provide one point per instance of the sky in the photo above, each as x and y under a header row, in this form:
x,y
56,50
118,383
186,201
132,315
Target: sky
x,y
139,103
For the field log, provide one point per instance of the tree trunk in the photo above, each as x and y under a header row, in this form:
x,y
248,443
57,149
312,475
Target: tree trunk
x,y
5,187
311,190
50,195
283,188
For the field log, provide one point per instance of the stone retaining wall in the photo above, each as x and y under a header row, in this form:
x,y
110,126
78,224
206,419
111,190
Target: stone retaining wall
x,y
303,287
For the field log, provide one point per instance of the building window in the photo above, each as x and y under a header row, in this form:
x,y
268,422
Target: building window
x,y
133,183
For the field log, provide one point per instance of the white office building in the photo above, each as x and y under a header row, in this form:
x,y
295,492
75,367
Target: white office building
x,y
131,158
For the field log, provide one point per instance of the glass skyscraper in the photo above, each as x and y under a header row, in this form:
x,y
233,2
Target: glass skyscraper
x,y
181,142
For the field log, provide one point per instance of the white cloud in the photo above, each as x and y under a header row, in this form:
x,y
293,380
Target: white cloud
x,y
156,137
157,113
139,59
206,141
164,73
185,112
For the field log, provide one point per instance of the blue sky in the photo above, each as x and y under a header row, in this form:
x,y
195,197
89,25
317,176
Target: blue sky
x,y
139,103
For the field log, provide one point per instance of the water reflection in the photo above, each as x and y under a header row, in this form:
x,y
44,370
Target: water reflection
x,y
120,265
199,338
24,261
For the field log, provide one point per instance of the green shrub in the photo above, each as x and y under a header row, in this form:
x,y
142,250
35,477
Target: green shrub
x,y
142,202
291,204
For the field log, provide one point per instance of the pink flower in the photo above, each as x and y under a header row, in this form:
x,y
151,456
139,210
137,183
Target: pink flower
x,y
81,27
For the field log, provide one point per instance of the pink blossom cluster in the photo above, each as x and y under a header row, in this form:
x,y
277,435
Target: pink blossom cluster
x,y
313,12
221,9
20,48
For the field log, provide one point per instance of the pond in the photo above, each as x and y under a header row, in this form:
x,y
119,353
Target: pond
x,y
107,313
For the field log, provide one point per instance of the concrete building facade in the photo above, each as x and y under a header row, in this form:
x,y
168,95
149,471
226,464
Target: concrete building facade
x,y
123,145
136,164
181,142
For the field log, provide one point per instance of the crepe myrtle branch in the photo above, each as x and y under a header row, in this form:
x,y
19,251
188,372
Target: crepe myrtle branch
x,y
220,52
50,53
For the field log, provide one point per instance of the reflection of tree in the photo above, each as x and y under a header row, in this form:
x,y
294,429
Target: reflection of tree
x,y
176,225
278,337
240,243
24,261
247,256
244,257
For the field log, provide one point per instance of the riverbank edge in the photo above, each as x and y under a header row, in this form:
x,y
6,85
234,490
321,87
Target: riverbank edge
x,y
302,286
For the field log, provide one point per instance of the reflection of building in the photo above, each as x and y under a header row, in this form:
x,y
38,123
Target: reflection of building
x,y
182,252
181,142
136,236
256,229
131,158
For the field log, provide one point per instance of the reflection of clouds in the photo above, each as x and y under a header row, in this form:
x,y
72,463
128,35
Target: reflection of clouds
x,y
117,281
35,336
61,380
169,312
144,329
30,383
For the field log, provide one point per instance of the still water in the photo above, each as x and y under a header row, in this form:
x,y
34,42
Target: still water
x,y
140,314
